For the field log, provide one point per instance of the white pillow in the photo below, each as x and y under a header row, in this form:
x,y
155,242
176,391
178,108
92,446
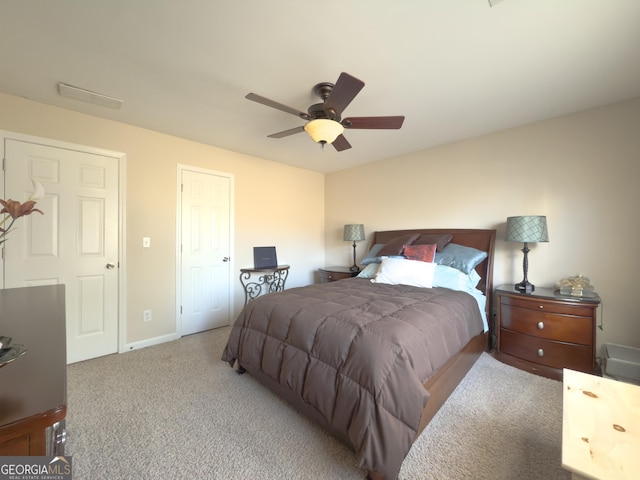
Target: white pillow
x,y
400,271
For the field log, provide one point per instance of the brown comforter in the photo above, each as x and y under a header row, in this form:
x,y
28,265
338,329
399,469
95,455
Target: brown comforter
x,y
358,354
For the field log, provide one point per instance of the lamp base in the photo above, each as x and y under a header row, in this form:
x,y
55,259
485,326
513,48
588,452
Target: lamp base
x,y
524,287
354,267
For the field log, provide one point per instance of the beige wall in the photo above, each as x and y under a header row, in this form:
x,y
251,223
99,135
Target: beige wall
x,y
274,205
582,171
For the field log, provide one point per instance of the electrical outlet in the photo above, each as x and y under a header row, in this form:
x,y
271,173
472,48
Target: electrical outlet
x,y
146,315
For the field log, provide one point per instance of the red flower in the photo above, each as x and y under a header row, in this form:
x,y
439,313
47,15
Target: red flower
x,y
16,209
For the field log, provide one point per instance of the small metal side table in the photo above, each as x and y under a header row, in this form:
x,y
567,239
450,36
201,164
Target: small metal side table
x,y
258,281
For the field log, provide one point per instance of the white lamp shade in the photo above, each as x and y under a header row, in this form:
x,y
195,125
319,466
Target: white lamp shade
x,y
531,228
324,130
353,232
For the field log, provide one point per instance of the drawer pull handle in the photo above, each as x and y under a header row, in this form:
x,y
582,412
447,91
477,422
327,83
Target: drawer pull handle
x,y
541,307
540,352
540,325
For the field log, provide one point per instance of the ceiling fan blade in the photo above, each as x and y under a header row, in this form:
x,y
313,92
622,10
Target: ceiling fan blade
x,y
286,133
344,91
270,103
341,143
374,122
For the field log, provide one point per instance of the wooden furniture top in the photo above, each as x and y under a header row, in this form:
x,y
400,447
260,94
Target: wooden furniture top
x,y
600,427
545,293
36,382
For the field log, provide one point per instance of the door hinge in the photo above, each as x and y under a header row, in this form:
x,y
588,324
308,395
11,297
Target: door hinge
x,y
180,309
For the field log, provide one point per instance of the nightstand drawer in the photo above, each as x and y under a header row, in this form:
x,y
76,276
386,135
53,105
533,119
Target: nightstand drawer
x,y
547,352
333,274
547,324
539,305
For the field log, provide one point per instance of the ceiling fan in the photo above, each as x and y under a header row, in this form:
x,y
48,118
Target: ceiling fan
x,y
325,124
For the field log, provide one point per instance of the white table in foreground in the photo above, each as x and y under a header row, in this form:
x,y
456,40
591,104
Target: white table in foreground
x,y
600,427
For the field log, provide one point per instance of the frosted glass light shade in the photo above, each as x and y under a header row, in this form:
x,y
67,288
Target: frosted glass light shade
x,y
324,130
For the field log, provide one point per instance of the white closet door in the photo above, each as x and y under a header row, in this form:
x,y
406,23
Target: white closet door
x,y
205,260
74,243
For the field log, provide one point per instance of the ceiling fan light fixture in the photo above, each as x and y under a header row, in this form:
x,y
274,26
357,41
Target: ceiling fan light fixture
x,y
323,130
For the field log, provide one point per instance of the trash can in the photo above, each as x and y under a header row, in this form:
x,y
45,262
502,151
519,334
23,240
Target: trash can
x,y
622,363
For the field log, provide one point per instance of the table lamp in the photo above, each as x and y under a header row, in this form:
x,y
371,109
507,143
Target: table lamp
x,y
530,228
354,232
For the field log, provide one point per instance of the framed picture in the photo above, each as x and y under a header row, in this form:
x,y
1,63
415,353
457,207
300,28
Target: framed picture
x,y
264,257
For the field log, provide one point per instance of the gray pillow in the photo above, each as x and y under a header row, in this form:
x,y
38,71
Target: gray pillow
x,y
372,256
441,240
395,245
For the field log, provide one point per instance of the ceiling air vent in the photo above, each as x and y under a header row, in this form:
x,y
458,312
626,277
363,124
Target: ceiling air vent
x,y
88,96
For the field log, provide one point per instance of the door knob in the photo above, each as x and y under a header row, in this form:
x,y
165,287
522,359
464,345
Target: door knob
x,y
111,265
225,259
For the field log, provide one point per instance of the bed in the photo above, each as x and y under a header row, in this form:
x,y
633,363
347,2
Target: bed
x,y
372,358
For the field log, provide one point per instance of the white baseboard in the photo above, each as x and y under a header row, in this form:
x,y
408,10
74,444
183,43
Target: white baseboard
x,y
149,342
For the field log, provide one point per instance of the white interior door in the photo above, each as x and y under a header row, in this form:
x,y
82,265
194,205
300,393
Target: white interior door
x,y
205,251
74,243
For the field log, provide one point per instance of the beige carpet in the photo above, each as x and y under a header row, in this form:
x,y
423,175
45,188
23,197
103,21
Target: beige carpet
x,y
176,411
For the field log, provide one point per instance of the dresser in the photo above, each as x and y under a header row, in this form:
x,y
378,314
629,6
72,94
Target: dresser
x,y
332,274
33,388
544,332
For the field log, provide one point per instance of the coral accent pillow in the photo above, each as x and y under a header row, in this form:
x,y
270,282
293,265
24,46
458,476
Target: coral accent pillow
x,y
423,253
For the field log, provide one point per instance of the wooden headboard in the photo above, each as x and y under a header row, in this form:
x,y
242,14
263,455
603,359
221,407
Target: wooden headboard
x,y
481,239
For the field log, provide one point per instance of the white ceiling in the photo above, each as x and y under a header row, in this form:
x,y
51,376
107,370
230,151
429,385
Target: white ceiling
x,y
454,68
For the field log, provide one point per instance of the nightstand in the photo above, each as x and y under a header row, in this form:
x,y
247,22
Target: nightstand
x,y
544,332
331,274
